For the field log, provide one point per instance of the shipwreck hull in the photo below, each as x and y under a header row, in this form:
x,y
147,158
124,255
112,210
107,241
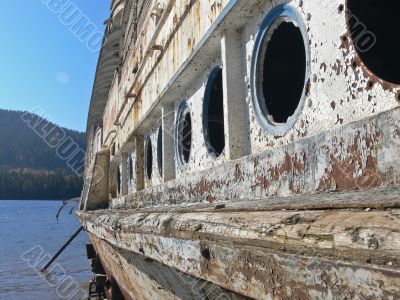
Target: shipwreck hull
x,y
140,277
246,149
262,254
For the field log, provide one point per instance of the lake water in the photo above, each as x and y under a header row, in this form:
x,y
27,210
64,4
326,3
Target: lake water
x,y
29,231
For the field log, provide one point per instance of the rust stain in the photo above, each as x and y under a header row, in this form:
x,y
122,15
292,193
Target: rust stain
x,y
295,165
238,173
370,85
372,78
287,164
346,174
204,186
345,44
211,198
261,181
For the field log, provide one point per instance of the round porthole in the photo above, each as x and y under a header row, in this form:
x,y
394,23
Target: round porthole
x,y
148,158
183,134
213,113
118,180
130,162
280,70
373,27
160,150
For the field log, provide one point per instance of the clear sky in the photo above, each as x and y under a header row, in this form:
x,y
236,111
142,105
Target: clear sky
x,y
43,64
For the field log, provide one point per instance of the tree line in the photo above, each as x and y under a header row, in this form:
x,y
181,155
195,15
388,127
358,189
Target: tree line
x,y
25,184
29,168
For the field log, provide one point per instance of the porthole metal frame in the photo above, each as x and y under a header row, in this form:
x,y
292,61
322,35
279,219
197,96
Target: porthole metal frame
x,y
206,103
278,15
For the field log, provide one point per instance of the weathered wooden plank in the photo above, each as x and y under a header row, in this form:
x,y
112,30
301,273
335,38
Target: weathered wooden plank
x,y
241,251
367,236
377,198
141,278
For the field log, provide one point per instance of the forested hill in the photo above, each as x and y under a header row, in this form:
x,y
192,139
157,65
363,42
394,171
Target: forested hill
x,y
37,159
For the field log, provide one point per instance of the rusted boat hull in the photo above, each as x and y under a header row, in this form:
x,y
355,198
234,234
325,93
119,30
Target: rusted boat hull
x,y
139,277
246,148
262,254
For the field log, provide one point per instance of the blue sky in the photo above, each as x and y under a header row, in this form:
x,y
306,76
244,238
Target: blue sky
x,y
43,64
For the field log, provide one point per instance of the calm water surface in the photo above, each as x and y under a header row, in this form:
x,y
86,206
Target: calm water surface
x,y
26,224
